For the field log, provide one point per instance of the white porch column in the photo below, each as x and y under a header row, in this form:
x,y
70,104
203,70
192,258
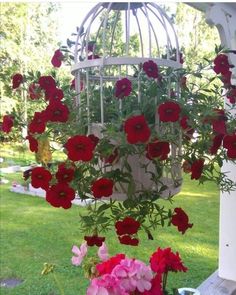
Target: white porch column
x,y
223,16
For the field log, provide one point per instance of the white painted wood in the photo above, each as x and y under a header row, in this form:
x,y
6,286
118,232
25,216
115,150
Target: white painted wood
x,y
223,16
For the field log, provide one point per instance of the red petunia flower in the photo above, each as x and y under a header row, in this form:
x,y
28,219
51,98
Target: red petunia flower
x,y
102,187
184,122
107,266
229,142
33,143
57,58
47,83
38,123
40,177
7,123
180,219
164,260
221,64
17,79
60,195
57,112
217,141
136,129
64,175
197,168
231,95
54,94
128,240
169,111
151,69
34,91
80,147
158,149
127,226
218,122
123,88
94,240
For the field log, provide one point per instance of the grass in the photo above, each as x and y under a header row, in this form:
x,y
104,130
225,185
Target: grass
x,y
33,232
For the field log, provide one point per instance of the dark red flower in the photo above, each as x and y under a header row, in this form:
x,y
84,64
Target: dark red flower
x,y
180,219
164,260
80,147
169,111
93,56
128,240
27,174
231,95
54,94
33,143
123,88
57,58
34,91
107,266
40,177
136,129
60,195
186,166
102,187
57,112
94,240
197,168
217,141
38,123
94,139
218,122
229,142
158,149
184,122
7,123
151,69
221,64
183,82
226,79
64,174
47,83
17,79
127,226
156,286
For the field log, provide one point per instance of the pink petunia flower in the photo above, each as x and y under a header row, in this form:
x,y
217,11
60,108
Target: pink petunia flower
x,y
80,253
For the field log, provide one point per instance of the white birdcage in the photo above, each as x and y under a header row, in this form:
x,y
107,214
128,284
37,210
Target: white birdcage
x,y
100,61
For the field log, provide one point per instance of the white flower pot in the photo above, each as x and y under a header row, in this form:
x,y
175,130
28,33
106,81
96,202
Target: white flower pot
x,y
188,291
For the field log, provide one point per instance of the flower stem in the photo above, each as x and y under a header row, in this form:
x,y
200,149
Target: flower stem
x,y
58,284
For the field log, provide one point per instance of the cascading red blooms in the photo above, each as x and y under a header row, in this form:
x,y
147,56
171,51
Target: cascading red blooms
x,y
164,260
123,88
38,123
34,91
64,174
221,64
57,112
94,139
169,111
60,195
17,79
219,122
102,187
137,130
33,143
151,69
80,148
181,220
216,143
197,168
40,178
57,58
94,240
229,142
47,83
158,149
125,230
231,95
54,94
7,123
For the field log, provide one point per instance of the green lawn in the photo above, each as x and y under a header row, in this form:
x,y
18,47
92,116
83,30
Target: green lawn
x,y
33,232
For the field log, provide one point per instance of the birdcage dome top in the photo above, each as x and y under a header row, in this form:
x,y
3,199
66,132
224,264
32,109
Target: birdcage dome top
x,y
115,33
